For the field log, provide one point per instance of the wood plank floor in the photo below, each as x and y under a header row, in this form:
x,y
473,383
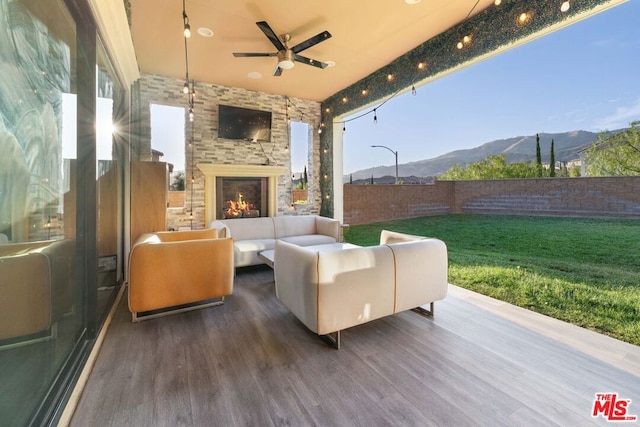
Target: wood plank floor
x,y
250,362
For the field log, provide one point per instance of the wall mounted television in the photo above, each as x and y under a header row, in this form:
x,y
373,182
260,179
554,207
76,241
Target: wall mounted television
x,y
244,124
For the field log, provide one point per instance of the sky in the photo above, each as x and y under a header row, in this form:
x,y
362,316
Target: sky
x,y
582,77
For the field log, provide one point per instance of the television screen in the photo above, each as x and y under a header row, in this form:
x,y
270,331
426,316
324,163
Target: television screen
x,y
244,123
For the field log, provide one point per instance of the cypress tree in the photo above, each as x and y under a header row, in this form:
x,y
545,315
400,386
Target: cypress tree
x,y
552,162
371,178
350,178
305,182
538,156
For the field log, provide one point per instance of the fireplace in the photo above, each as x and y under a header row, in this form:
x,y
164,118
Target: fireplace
x,y
241,197
267,174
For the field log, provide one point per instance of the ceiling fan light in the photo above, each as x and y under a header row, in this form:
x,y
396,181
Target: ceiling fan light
x,y
286,64
285,59
565,6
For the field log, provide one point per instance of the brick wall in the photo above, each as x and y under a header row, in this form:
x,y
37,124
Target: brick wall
x,y
208,148
299,195
176,199
364,204
594,197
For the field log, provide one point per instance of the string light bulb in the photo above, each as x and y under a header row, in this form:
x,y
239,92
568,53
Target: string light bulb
x,y
413,90
459,45
185,20
344,127
375,117
565,6
185,88
497,2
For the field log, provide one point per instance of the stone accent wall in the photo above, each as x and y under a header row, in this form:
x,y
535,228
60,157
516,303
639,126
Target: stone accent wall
x,y
590,197
208,148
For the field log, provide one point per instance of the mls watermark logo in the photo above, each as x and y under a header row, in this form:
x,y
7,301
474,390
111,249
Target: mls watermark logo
x,y
612,408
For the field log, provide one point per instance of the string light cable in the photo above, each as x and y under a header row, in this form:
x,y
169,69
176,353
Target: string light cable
x,y
397,92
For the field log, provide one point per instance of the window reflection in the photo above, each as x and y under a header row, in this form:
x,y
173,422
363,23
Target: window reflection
x,y
40,301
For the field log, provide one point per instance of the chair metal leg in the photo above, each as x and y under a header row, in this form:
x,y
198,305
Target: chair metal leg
x,y
333,341
424,312
135,317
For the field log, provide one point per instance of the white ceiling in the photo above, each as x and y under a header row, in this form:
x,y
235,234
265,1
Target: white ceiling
x,y
366,35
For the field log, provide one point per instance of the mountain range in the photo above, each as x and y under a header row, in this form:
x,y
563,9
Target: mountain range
x,y
517,149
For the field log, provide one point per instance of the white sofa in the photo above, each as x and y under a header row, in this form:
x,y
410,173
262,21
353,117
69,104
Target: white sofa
x,y
334,290
254,235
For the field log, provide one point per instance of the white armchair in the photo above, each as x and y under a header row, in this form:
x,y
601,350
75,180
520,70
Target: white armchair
x,y
334,290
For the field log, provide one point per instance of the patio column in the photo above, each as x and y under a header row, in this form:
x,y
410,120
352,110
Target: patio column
x,y
338,167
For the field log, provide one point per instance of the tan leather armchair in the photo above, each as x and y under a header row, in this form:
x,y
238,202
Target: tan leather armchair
x,y
170,272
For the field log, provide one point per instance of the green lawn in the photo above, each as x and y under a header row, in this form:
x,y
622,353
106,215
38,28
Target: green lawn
x,y
582,270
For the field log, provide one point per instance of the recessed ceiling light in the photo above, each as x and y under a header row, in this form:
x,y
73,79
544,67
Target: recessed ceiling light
x,y
254,75
330,63
205,32
412,1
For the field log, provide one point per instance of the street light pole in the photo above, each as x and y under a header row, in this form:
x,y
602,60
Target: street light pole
x,y
395,153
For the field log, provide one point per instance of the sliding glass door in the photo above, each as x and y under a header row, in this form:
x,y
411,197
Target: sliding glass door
x,y
60,202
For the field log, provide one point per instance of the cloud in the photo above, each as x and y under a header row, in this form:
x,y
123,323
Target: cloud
x,y
620,118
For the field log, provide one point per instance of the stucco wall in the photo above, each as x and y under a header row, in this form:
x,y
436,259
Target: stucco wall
x,y
595,197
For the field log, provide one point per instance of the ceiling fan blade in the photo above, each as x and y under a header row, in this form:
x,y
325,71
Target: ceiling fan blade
x,y
311,62
266,29
311,42
252,55
277,72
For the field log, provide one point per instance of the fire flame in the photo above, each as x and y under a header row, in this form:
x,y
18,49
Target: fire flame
x,y
238,207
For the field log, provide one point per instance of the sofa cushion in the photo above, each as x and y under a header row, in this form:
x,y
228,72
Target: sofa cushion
x,y
250,228
309,240
246,251
286,226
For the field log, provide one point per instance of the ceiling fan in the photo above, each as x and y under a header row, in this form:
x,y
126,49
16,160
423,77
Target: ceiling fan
x,y
287,56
